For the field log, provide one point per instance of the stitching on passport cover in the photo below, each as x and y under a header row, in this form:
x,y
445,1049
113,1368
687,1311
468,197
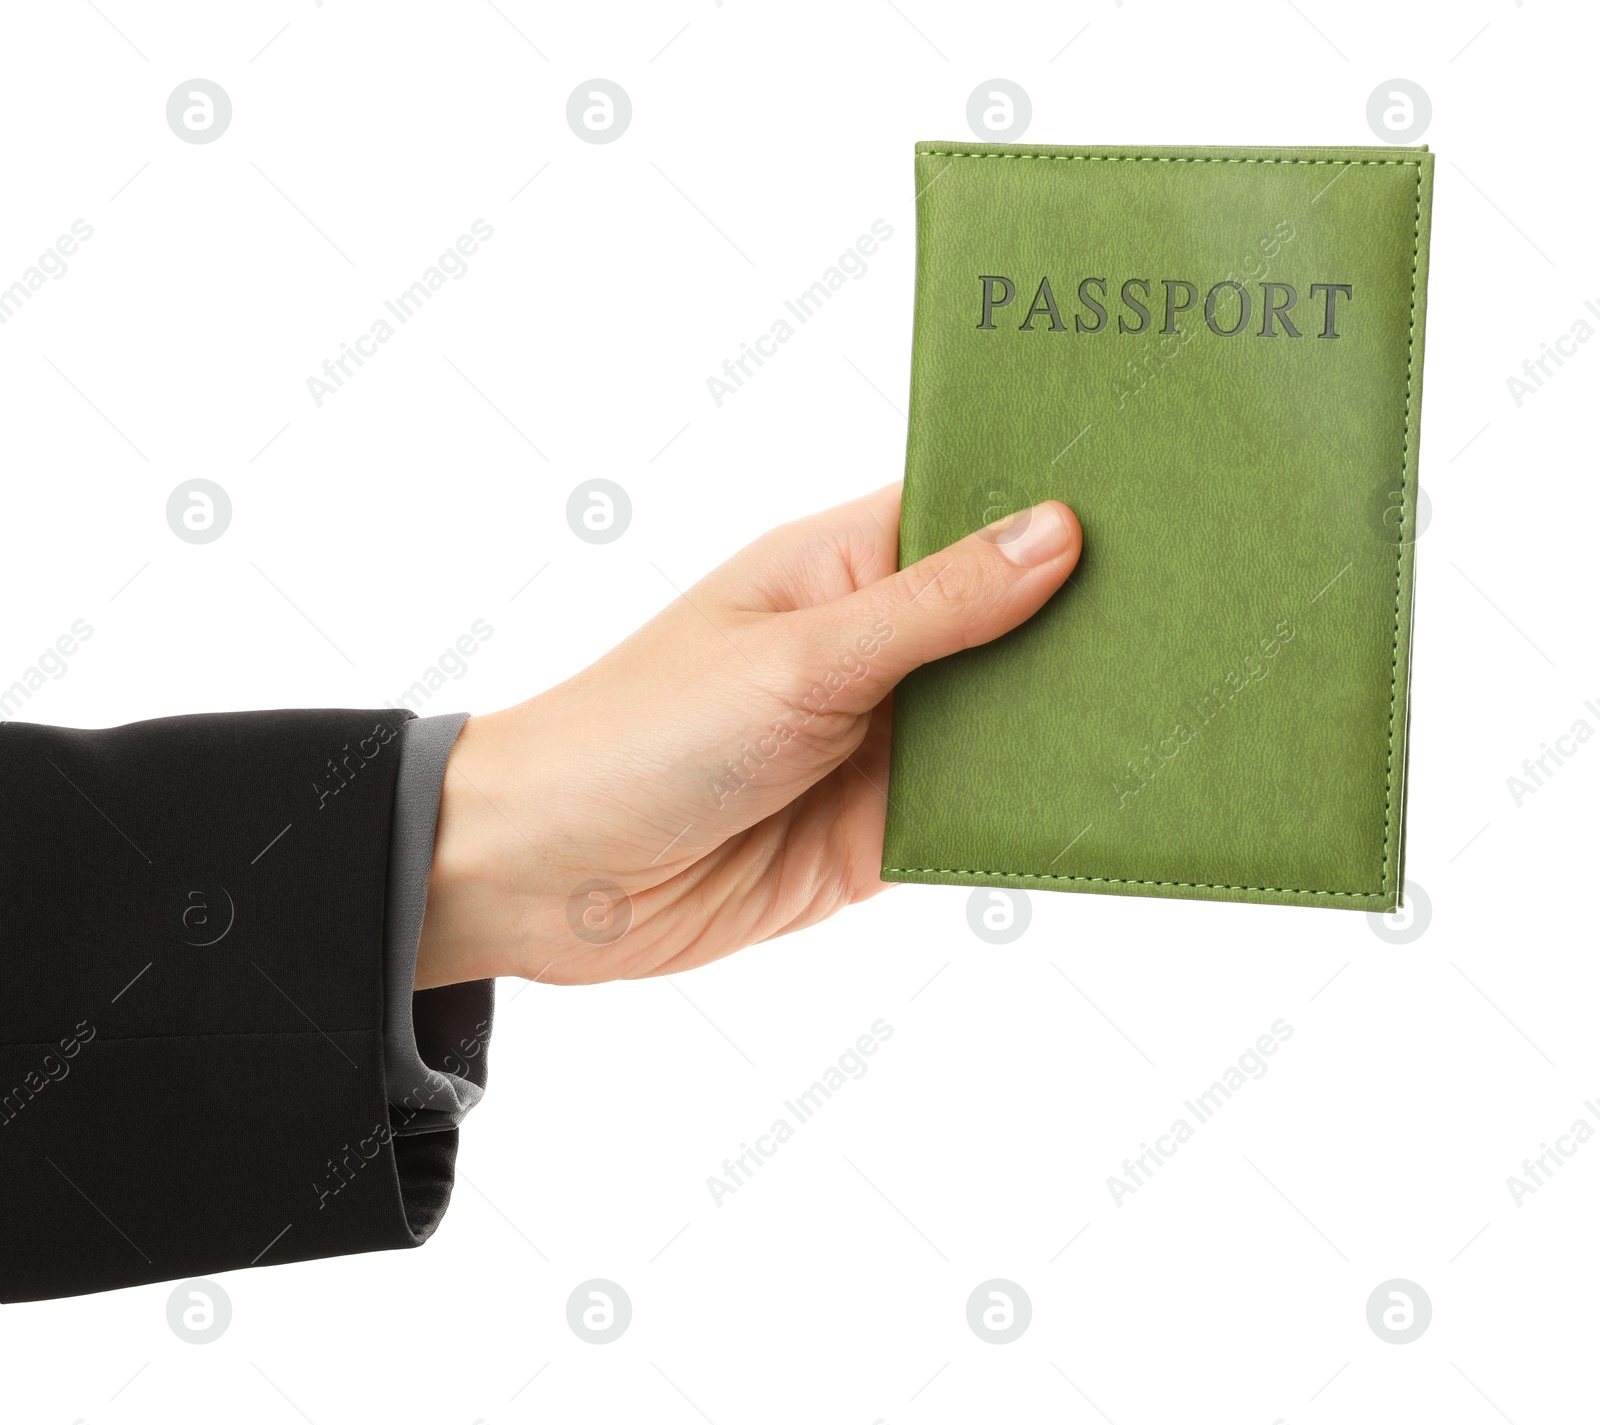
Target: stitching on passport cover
x,y
1155,158
1400,543
1124,881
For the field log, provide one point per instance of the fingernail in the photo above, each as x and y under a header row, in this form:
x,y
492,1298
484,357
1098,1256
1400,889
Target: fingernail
x,y
1031,537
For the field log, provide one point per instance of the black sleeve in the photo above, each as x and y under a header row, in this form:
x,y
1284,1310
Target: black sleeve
x,y
192,1001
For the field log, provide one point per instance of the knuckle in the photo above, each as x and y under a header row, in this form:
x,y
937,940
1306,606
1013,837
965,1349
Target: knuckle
x,y
934,586
947,587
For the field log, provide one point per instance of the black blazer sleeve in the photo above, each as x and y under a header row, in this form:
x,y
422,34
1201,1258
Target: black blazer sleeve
x,y
192,1001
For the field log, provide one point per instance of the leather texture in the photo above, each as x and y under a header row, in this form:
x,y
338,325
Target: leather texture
x,y
1216,705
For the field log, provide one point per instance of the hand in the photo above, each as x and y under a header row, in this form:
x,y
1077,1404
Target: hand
x,y
719,778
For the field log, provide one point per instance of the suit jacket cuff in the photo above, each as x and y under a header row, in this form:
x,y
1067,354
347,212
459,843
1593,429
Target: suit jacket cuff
x,y
193,1001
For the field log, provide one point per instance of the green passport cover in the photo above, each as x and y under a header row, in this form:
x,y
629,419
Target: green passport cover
x,y
1214,355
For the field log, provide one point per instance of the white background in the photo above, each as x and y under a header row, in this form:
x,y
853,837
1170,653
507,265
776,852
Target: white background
x,y
423,495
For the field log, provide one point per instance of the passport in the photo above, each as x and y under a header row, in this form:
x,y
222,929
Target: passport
x,y
1214,356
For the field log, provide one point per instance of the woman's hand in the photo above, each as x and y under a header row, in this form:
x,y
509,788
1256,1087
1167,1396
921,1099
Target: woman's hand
x,y
719,778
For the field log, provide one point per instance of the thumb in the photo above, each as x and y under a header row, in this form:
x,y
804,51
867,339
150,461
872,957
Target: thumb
x,y
966,594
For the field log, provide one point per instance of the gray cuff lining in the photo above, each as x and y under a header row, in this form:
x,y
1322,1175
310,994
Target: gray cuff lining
x,y
423,1095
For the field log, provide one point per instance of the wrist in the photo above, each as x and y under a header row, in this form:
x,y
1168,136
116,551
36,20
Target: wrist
x,y
463,935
